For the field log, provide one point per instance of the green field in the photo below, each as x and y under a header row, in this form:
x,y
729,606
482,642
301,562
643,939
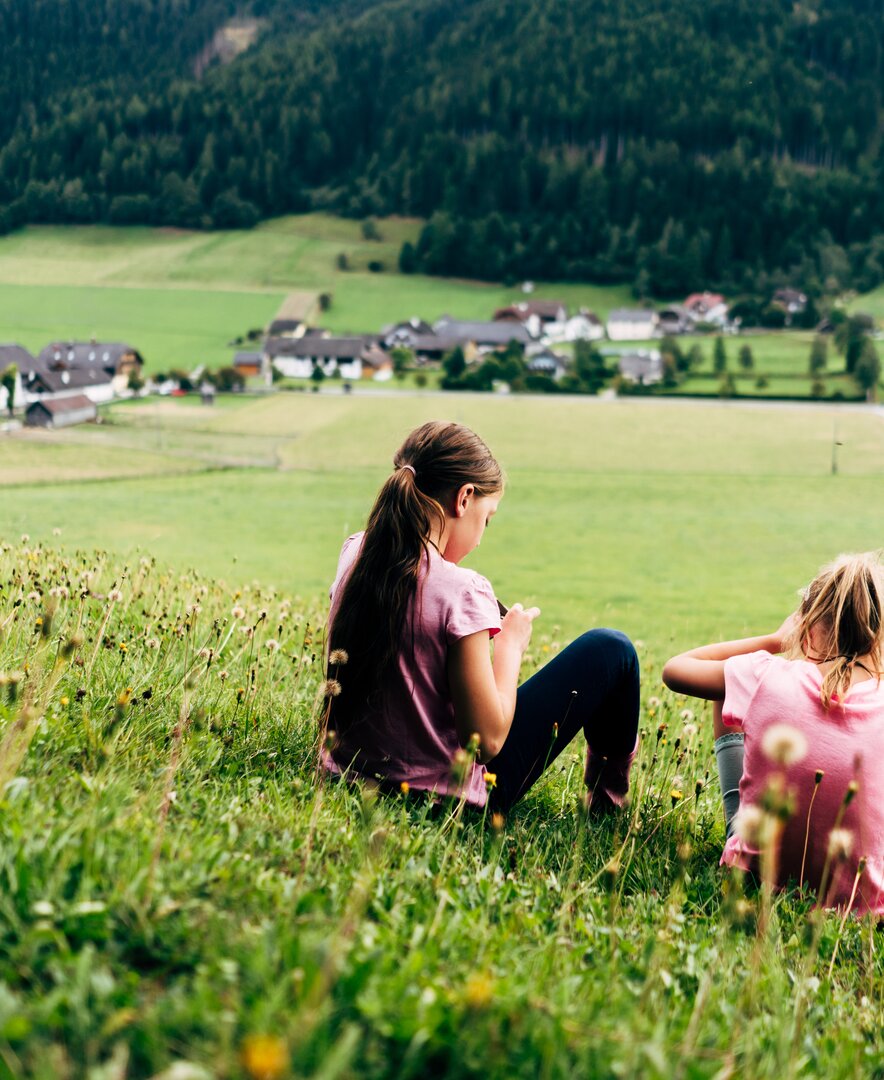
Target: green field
x,y
180,297
181,899
618,512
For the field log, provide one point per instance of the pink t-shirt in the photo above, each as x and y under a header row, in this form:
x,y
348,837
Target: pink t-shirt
x,y
846,742
413,737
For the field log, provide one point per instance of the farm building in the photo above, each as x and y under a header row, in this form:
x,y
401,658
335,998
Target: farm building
x,y
544,361
675,319
118,360
18,357
405,334
584,326
485,335
631,324
707,307
345,356
249,363
61,412
535,315
41,384
644,366
291,328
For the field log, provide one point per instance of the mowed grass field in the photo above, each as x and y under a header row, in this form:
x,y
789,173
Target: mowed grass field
x,y
671,520
183,898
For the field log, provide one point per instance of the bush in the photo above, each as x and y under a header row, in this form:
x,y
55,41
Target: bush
x,y
229,211
376,267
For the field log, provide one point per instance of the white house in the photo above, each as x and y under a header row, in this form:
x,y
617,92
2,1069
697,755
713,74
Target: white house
x,y
643,366
707,307
584,326
632,324
297,358
42,385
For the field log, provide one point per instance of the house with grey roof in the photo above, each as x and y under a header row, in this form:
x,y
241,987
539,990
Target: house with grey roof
x,y
41,384
345,356
632,324
643,366
61,412
484,335
115,358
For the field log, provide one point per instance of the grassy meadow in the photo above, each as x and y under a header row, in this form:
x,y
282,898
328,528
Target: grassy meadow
x,y
182,898
181,296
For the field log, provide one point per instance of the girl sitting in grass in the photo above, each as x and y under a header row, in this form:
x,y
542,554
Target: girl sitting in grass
x,y
811,782
415,700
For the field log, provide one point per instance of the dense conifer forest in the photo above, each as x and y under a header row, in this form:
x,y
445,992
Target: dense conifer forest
x,y
734,143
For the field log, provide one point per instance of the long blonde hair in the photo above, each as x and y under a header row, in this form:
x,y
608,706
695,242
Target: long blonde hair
x,y
844,607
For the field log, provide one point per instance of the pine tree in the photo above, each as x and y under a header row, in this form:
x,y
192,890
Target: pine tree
x,y
719,356
819,355
747,360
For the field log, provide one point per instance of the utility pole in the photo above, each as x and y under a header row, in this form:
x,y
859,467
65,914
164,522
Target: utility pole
x,y
835,444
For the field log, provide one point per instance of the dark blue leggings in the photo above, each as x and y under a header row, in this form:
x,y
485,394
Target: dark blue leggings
x,y
602,667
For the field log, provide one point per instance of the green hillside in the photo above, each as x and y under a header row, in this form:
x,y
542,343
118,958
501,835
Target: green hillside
x,y
674,145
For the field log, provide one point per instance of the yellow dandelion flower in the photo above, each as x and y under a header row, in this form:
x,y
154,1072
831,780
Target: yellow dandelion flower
x,y
65,701
405,787
264,1057
479,990
491,779
676,795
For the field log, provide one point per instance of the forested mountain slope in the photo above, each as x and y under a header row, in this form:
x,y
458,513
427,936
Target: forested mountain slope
x,y
680,143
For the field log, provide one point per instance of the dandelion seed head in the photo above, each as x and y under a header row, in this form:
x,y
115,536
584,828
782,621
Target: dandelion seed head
x,y
840,844
686,715
152,643
338,656
331,688
238,612
784,744
271,645
115,596
749,823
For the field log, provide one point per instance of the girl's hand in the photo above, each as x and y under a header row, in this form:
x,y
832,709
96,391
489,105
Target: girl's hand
x,y
516,627
786,630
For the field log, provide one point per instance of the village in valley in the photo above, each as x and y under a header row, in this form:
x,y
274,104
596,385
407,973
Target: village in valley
x,y
530,344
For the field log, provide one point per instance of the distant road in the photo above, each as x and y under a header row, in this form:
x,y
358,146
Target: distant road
x,y
608,399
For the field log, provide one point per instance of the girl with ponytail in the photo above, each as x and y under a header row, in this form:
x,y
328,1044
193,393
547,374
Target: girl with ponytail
x,y
799,719
415,699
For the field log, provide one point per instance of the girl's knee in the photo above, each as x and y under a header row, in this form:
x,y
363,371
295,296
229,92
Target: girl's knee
x,y
614,645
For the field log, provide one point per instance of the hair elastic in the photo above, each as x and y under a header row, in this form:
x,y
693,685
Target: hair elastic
x,y
411,469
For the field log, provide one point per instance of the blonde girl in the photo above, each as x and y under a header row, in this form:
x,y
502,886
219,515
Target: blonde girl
x,y
800,724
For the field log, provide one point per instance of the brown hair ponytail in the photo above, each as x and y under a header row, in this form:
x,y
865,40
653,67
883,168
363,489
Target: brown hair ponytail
x,y
844,607
433,463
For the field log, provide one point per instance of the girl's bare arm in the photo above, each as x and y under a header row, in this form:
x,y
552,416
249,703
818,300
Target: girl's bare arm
x,y
700,672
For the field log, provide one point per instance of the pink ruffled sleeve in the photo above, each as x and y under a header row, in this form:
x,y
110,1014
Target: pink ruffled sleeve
x,y
742,677
474,608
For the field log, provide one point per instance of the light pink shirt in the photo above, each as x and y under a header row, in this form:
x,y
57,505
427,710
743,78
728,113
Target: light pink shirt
x,y
847,743
413,737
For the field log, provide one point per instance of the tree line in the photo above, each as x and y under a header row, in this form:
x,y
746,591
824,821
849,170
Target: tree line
x,y
674,145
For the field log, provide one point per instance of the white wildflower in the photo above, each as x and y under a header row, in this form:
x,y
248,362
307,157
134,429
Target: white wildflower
x,y
784,744
749,823
840,844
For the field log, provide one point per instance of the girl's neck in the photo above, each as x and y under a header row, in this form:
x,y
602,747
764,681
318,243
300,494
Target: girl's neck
x,y
862,668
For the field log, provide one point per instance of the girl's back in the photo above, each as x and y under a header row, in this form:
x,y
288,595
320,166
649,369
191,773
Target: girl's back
x,y
791,738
